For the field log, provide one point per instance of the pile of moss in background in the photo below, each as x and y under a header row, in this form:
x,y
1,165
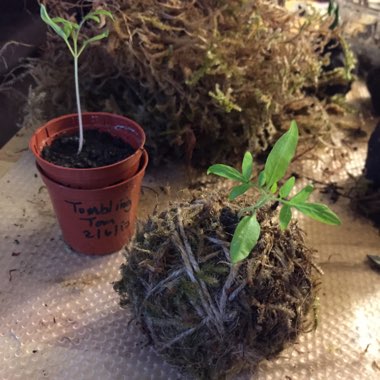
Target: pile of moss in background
x,y
205,78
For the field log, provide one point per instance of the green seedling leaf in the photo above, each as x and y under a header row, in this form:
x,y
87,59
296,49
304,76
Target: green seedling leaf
x,y
46,18
67,29
92,17
280,156
103,12
285,217
67,26
226,171
261,179
70,32
319,212
303,195
93,39
97,38
287,187
274,188
245,238
238,190
247,166
61,20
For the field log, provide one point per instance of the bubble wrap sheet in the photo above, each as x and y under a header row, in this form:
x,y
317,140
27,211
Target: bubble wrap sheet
x,y
60,318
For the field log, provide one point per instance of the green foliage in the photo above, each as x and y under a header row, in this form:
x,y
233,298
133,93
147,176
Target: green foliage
x,y
247,166
247,231
318,212
238,190
261,179
226,171
69,31
287,187
280,156
245,238
303,195
285,217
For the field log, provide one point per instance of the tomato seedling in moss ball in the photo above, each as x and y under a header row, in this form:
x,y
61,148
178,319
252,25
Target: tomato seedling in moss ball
x,y
69,31
247,231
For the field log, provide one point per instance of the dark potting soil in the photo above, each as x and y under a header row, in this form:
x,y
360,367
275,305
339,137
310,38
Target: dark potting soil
x,y
99,149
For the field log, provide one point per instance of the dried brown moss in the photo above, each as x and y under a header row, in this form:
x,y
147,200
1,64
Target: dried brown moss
x,y
201,313
205,78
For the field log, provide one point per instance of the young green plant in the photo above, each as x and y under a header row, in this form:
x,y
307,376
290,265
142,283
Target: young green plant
x,y
247,231
69,31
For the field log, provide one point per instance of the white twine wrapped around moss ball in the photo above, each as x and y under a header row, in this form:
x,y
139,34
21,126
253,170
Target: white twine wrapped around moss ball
x,y
205,315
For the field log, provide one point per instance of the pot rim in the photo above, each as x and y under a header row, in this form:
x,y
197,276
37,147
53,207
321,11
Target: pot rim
x,y
79,170
142,169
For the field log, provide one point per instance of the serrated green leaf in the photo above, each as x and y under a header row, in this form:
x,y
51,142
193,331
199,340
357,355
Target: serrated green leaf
x,y
247,166
238,190
303,195
287,187
261,179
285,217
245,238
274,187
46,18
226,171
319,212
281,155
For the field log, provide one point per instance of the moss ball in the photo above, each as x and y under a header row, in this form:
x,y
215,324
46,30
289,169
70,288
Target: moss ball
x,y
205,315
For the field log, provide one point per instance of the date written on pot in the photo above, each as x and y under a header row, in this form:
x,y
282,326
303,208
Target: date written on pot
x,y
99,219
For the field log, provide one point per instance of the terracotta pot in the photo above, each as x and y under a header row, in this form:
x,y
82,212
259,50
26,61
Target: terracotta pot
x,y
92,178
97,221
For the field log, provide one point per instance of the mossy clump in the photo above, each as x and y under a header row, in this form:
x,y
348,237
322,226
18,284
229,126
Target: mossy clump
x,y
208,317
207,79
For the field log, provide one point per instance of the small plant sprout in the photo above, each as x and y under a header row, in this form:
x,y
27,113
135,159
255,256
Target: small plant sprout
x,y
247,231
69,31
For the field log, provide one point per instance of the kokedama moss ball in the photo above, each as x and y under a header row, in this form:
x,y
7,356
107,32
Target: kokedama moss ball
x,y
205,315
